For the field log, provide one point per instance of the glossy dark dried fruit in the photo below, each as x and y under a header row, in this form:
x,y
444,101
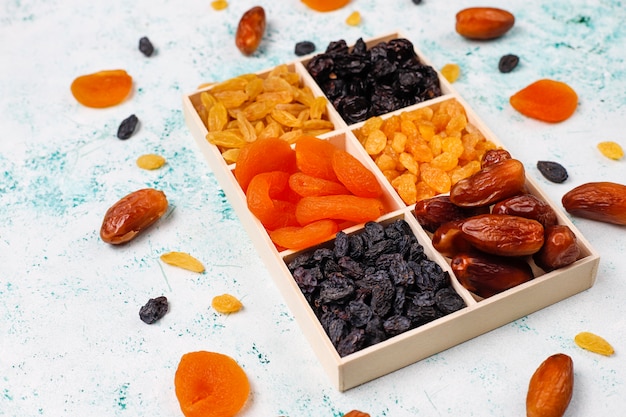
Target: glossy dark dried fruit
x,y
483,23
417,1
552,171
508,63
487,275
559,249
127,127
602,201
145,46
304,48
435,211
494,155
250,30
528,206
154,310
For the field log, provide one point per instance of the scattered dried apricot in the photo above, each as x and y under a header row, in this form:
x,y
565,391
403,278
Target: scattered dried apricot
x,y
102,89
356,413
182,260
546,100
150,161
210,384
594,343
226,304
325,5
483,23
612,150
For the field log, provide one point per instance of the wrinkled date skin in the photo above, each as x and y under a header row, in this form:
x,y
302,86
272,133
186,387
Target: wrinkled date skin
x,y
132,214
504,235
487,275
528,206
489,185
448,239
559,249
250,30
493,156
433,212
551,387
601,201
483,23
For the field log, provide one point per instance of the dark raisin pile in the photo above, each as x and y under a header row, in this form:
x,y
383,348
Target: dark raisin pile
x,y
373,285
362,82
153,310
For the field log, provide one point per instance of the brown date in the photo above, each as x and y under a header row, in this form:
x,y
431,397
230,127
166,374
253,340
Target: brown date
x,y
489,185
528,206
483,23
486,275
435,211
250,30
448,239
132,214
494,155
602,201
551,387
504,235
559,249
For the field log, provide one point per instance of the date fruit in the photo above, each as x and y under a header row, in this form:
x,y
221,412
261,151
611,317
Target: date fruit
x,y
491,184
483,23
528,206
551,387
602,201
250,30
487,275
449,241
132,214
504,235
559,249
493,156
433,212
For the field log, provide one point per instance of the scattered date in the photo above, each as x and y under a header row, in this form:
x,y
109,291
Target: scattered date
x,y
154,310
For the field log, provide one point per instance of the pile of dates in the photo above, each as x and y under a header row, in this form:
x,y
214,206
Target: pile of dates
x,y
362,83
489,226
372,285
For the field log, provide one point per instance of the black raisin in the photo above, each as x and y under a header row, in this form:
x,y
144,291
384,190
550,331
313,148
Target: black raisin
x,y
448,301
508,63
127,127
397,324
552,171
154,310
304,48
145,46
417,1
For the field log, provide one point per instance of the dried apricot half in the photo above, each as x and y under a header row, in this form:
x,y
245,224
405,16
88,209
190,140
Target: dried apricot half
x,y
546,100
303,237
102,89
594,343
325,5
210,384
264,155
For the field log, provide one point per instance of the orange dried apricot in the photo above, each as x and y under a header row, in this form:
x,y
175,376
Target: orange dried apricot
x,y
303,237
308,186
263,155
263,197
314,156
354,175
102,89
338,207
210,384
325,5
546,100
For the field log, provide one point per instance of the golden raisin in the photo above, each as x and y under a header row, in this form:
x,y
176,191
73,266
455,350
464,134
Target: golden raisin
x,y
611,150
150,161
183,260
594,343
354,19
451,72
226,304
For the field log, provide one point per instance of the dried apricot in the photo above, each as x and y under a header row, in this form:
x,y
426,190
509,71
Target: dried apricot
x,y
266,197
303,237
354,175
210,384
309,186
594,343
325,5
338,207
183,260
264,155
226,304
546,100
356,413
314,157
102,89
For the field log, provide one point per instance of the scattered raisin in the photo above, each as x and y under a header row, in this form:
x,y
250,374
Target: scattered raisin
x,y
304,48
508,63
552,171
417,1
127,127
145,46
154,310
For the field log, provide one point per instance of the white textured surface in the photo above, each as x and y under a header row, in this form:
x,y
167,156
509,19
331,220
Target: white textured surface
x,y
71,342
